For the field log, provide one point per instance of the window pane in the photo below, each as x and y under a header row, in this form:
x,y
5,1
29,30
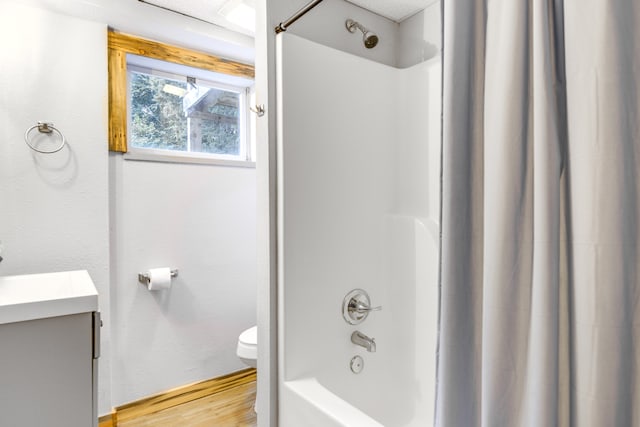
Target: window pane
x,y
214,120
157,117
174,115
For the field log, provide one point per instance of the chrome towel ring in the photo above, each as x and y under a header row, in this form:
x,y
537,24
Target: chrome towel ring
x,y
44,127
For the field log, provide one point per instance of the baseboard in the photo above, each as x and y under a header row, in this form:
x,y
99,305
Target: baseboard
x,y
178,396
107,421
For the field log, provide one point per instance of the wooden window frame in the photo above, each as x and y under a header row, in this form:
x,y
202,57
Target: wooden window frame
x,y
119,45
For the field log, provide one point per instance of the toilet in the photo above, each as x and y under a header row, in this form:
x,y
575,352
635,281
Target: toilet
x,y
247,349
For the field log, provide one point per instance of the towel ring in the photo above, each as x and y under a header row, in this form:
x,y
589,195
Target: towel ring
x,y
44,127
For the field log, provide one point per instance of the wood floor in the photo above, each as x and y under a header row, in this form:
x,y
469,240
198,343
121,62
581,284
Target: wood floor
x,y
228,408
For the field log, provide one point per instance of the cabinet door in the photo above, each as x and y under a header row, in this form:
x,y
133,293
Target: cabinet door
x,y
46,373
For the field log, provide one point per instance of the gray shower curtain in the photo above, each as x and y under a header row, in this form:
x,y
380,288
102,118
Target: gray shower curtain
x,y
540,292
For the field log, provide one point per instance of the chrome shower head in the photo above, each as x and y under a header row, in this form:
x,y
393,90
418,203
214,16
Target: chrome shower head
x,y
369,38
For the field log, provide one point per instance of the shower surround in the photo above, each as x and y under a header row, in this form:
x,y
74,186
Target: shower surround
x,y
358,197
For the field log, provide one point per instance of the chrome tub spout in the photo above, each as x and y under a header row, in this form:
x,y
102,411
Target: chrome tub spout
x,y
358,338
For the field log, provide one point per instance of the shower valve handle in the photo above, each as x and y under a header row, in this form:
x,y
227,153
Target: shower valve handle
x,y
356,306
360,307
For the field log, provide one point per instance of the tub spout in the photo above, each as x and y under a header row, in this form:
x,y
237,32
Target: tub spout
x,y
358,338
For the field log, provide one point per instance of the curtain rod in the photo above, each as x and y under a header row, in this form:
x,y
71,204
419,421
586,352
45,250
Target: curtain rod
x,y
284,25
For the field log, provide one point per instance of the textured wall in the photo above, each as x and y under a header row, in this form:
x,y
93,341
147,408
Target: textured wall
x,y
54,208
200,219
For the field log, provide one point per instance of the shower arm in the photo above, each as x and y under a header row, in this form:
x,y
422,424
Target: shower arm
x,y
283,26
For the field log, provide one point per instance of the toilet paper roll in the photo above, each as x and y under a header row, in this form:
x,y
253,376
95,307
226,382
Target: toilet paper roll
x,y
159,279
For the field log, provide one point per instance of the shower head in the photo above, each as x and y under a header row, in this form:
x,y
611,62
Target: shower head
x,y
369,38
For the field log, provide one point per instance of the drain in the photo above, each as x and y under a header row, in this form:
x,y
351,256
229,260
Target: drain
x,y
356,364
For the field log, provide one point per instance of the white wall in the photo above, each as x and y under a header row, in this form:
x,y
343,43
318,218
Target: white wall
x,y
143,20
414,40
419,37
326,24
335,194
267,388
200,219
54,209
417,154
414,237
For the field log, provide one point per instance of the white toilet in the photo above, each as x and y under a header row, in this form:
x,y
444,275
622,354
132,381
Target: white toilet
x,y
247,349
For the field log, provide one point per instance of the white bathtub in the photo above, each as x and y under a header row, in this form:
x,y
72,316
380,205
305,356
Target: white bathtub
x,y
310,404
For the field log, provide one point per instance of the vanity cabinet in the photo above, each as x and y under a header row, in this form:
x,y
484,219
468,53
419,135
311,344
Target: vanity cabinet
x,y
49,346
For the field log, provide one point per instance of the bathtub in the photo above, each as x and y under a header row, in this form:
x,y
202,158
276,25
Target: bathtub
x,y
357,196
310,404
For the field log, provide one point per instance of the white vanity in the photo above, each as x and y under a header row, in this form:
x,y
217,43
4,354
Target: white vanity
x,y
49,346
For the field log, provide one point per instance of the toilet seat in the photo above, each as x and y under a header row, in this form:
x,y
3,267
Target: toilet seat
x,y
248,344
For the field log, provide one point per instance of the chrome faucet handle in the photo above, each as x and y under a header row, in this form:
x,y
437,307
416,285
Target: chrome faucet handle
x,y
356,306
360,307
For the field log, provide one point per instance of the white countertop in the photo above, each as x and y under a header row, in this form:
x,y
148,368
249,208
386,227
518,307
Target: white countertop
x,y
37,296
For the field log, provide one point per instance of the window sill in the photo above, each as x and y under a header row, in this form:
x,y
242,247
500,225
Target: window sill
x,y
165,156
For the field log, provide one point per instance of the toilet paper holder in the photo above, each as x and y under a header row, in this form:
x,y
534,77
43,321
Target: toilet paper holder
x,y
145,279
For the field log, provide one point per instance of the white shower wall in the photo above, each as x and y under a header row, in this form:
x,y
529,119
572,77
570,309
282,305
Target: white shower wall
x,y
336,171
419,37
325,25
414,40
358,202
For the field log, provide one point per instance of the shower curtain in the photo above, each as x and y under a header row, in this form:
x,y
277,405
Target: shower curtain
x,y
540,294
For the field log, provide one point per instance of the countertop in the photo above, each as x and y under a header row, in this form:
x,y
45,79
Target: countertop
x,y
38,296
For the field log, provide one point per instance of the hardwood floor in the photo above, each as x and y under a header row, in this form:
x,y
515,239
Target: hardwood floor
x,y
229,408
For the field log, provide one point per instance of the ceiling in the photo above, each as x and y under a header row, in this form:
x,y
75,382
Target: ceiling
x,y
209,10
204,10
396,10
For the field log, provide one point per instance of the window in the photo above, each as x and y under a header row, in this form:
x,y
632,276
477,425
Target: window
x,y
173,111
170,109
